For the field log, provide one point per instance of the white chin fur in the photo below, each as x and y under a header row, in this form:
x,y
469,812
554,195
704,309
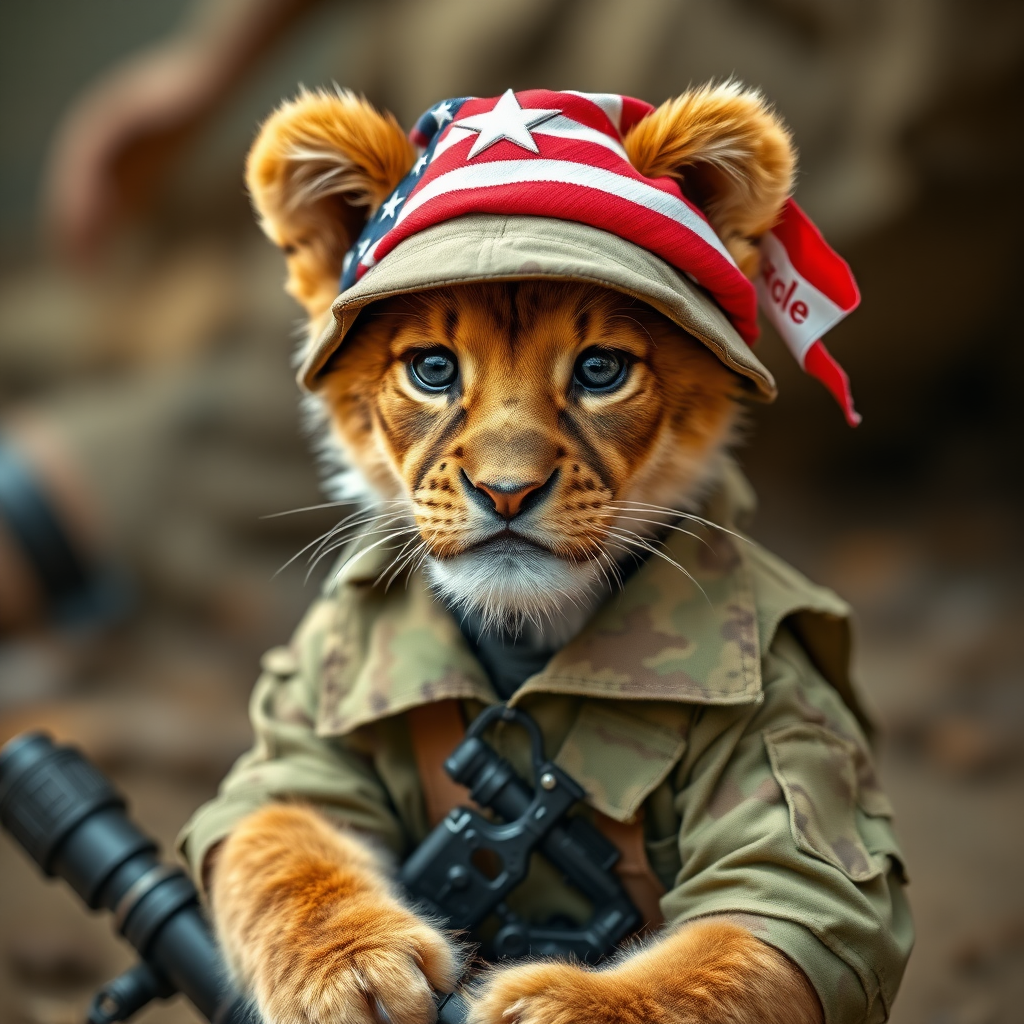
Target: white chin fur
x,y
515,585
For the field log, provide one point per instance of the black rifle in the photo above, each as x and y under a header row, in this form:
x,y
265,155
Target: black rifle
x,y
72,822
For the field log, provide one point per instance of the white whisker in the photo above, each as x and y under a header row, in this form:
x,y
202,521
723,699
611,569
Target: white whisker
x,y
647,507
360,552
328,504
665,526
422,546
398,562
335,538
640,542
328,535
345,542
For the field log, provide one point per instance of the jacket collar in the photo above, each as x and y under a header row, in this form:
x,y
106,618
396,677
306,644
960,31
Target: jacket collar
x,y
666,636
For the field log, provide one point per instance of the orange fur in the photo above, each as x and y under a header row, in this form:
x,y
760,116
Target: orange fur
x,y
707,972
309,925
732,155
321,165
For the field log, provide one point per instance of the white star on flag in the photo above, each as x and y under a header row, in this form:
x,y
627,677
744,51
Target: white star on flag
x,y
389,208
363,246
507,121
442,113
417,167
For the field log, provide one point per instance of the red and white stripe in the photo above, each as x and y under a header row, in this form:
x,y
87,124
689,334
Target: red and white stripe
x,y
580,172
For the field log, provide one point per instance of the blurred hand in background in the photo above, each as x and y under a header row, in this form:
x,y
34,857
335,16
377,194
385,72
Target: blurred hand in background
x,y
118,140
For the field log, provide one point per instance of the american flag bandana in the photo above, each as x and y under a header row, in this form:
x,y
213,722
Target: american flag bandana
x,y
559,155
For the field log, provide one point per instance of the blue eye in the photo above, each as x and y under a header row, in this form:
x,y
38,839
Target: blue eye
x,y
600,369
434,370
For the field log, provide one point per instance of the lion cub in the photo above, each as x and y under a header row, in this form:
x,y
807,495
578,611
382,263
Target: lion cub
x,y
527,443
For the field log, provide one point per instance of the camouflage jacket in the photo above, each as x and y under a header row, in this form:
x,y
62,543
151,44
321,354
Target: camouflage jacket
x,y
719,708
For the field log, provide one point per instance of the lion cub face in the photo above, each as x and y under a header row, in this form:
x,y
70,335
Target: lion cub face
x,y
534,433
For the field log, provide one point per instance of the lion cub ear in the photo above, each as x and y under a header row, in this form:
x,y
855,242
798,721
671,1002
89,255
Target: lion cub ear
x,y
730,153
319,168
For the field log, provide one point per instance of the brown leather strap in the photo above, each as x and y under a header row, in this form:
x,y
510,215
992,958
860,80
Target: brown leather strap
x,y
633,867
437,729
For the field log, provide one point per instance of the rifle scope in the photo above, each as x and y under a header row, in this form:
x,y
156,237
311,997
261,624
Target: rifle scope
x,y
71,820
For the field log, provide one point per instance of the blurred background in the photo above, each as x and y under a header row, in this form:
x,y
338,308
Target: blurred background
x,y
145,384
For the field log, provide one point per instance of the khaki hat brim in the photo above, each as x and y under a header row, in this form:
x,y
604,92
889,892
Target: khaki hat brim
x,y
489,247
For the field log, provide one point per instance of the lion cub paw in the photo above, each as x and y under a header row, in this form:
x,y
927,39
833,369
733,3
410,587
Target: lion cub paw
x,y
377,965
554,993
310,927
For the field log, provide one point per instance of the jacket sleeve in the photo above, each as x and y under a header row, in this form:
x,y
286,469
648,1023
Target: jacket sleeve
x,y
289,761
785,829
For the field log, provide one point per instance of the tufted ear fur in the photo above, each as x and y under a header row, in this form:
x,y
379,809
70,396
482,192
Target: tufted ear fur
x,y
320,166
731,154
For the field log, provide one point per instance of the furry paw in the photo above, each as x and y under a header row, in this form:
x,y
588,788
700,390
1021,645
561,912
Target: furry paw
x,y
707,972
370,965
554,993
310,927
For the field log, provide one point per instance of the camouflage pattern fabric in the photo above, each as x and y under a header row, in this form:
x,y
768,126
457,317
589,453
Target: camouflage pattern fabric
x,y
718,708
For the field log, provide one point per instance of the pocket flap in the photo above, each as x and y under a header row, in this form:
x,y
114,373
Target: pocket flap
x,y
620,755
819,772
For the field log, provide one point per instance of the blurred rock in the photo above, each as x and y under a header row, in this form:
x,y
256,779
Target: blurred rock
x,y
967,746
46,1010
122,732
999,946
54,327
33,669
57,959
882,571
978,1010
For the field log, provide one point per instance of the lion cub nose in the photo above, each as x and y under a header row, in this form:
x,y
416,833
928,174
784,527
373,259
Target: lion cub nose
x,y
508,498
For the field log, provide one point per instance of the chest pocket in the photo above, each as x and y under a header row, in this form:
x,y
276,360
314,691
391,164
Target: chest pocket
x,y
620,751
